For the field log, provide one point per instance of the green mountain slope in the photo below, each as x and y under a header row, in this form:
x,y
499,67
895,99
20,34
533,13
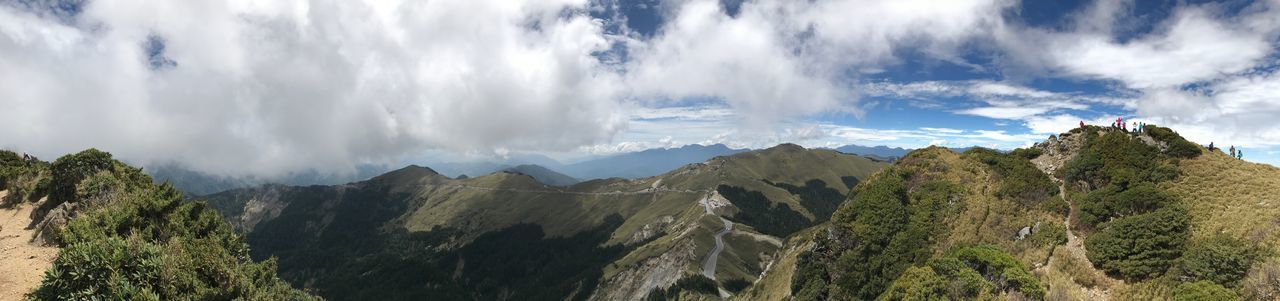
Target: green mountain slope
x,y
1139,216
504,235
123,238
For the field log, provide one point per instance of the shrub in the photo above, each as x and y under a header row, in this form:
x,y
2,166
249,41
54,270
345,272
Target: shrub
x,y
736,284
756,210
69,170
1222,259
1112,202
1177,146
140,241
893,230
1203,290
1112,159
1027,153
917,283
1141,246
1019,178
1008,272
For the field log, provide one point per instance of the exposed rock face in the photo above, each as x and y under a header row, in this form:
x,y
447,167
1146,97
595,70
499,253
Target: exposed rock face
x,y
650,230
263,207
658,272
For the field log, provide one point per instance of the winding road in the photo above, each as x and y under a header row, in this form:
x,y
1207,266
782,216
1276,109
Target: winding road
x,y
709,265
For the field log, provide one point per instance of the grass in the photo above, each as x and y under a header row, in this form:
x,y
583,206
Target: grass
x,y
1230,196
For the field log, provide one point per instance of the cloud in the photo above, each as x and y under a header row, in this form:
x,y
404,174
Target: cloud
x,y
778,60
1192,46
267,88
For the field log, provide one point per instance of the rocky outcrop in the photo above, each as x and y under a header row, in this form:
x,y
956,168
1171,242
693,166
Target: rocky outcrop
x,y
657,272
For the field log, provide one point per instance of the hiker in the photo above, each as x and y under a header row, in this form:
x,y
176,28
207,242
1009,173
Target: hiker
x,y
1233,150
1240,154
1210,146
1082,124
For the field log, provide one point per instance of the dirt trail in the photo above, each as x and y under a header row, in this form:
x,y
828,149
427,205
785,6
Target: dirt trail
x,y
23,264
1075,248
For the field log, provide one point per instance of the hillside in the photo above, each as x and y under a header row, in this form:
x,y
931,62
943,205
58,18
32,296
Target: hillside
x,y
503,235
1146,216
118,236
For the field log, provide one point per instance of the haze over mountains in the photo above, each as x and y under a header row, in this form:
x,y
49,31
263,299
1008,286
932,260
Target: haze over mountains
x,y
630,165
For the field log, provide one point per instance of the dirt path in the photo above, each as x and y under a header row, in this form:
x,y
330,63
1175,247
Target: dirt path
x,y
23,264
1075,248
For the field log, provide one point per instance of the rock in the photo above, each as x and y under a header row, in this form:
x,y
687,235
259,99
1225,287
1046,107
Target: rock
x,y
1024,232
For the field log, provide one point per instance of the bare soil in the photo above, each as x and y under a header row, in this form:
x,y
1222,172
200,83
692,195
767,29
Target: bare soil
x,y
23,263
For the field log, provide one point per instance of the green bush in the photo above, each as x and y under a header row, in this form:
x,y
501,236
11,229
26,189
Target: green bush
x,y
696,284
917,283
1113,159
1141,246
1177,146
1222,259
756,210
1019,178
1203,290
1027,153
893,228
964,282
69,170
140,241
965,274
994,263
1112,201
736,285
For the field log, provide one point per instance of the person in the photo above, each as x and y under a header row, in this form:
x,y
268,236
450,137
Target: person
x,y
1233,150
1082,124
1240,154
1210,146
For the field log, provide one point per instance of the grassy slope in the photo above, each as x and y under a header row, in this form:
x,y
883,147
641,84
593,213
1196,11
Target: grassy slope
x,y
1230,196
496,201
977,218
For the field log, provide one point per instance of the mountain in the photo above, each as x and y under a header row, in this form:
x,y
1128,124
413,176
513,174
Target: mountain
x,y
876,151
196,183
646,163
457,168
1085,215
416,234
544,175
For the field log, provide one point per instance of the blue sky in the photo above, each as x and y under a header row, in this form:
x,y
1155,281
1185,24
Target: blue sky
x,y
268,88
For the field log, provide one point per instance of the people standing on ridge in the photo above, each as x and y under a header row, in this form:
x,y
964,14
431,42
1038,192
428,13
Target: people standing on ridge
x,y
1082,124
1240,154
1233,150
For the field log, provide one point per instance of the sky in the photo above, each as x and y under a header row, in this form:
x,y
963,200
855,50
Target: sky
x,y
266,88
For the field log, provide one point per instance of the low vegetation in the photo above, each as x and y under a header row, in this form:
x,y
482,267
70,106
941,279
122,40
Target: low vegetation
x,y
133,240
1019,179
755,209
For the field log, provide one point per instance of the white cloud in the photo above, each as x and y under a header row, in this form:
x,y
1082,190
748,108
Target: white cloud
x,y
268,88
1193,46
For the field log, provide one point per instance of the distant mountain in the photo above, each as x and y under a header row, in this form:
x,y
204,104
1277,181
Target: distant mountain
x,y
484,167
195,183
646,163
881,152
885,153
544,175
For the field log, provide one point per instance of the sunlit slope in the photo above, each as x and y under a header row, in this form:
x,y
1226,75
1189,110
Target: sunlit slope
x,y
662,228
1230,196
